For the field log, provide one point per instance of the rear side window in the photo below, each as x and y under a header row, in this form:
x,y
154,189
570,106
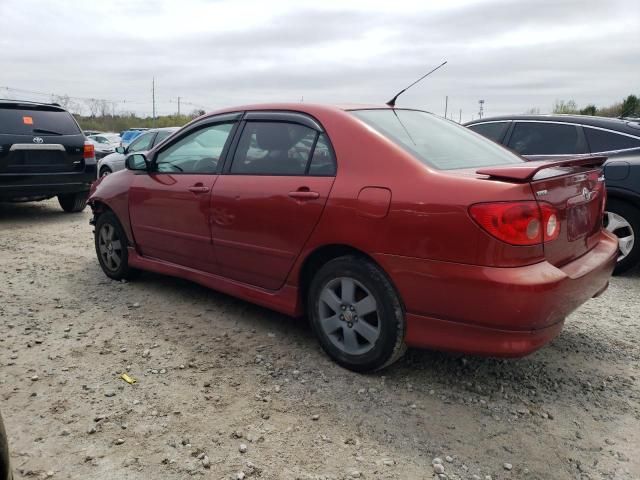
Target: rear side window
x,y
273,148
19,121
323,163
493,130
435,141
602,141
532,138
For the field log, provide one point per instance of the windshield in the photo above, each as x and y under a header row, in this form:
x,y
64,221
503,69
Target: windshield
x,y
435,141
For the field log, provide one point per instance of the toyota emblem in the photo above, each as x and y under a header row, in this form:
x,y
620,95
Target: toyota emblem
x,y
38,140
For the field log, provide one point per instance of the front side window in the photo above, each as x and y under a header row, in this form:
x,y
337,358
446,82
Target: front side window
x,y
273,148
435,141
142,143
532,138
198,152
492,130
603,141
162,134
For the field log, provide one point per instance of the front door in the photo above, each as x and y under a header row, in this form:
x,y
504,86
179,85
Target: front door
x,y
170,207
267,203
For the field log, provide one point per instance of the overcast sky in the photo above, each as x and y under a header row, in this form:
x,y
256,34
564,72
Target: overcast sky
x,y
515,55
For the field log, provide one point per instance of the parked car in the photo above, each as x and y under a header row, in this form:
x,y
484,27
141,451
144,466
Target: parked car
x,y
102,149
558,136
396,228
44,154
115,161
5,467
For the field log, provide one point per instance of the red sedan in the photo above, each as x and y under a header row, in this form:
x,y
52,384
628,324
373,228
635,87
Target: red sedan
x,y
386,227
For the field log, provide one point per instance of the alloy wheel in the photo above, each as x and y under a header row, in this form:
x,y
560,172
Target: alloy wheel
x,y
348,314
110,247
622,229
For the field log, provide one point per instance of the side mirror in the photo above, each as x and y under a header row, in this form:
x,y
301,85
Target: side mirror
x,y
137,162
121,149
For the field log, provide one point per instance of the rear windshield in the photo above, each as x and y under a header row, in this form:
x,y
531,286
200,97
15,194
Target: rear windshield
x,y
22,121
435,141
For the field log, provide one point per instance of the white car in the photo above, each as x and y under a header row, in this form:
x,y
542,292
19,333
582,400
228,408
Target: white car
x,y
115,161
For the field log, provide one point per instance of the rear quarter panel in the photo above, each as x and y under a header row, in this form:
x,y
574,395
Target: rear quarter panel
x,y
428,213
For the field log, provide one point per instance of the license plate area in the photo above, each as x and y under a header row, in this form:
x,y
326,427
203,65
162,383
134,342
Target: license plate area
x,y
580,220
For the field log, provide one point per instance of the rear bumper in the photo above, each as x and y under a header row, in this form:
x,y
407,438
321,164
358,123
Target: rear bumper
x,y
495,311
26,186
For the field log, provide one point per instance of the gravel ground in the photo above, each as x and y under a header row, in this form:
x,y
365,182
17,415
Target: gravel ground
x,y
227,390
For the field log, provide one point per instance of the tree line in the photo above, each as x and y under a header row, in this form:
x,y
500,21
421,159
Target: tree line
x,y
628,107
118,123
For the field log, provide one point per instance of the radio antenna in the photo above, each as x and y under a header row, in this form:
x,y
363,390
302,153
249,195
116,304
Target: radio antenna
x,y
392,102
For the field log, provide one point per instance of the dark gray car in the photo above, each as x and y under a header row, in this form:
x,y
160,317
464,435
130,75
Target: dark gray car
x,y
538,137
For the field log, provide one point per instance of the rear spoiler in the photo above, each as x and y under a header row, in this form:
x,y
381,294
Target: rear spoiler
x,y
524,172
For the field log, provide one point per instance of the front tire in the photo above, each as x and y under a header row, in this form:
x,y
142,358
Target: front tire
x,y
104,171
623,220
111,248
356,314
73,202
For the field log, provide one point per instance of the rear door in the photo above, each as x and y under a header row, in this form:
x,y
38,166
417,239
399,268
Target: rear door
x,y
170,206
538,140
270,197
39,140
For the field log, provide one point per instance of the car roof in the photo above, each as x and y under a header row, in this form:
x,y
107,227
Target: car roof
x,y
621,125
30,104
309,108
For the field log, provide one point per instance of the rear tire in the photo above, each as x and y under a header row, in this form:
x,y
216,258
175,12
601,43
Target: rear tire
x,y
623,220
73,202
357,314
111,248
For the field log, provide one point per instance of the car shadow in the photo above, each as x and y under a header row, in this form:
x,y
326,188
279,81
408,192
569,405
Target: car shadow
x,y
30,212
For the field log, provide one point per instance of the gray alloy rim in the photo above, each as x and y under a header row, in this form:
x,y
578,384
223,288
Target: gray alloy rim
x,y
348,314
110,247
622,229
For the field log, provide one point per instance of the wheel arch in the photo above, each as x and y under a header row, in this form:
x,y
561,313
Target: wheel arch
x,y
623,195
325,253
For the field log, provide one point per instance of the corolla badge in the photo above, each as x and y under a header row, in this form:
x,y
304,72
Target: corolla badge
x,y
38,140
587,194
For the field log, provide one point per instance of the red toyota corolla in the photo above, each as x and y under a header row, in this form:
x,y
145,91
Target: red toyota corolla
x,y
387,227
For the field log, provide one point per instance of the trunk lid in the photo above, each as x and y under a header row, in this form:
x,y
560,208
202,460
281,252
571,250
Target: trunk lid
x,y
575,188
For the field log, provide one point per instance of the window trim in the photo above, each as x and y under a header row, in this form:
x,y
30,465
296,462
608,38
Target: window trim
x,y
196,127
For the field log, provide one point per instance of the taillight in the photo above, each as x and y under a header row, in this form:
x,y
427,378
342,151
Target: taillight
x,y
89,150
518,223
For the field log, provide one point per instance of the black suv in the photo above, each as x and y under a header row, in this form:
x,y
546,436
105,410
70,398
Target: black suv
x,y
541,137
43,154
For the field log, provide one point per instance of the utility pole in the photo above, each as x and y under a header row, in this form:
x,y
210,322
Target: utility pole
x,y
178,106
481,111
460,117
153,97
446,105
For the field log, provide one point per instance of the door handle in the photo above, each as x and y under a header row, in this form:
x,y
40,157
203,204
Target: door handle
x,y
199,189
304,195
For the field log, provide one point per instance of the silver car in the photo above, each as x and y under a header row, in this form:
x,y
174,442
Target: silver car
x,y
115,161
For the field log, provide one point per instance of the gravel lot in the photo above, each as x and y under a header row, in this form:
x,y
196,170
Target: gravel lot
x,y
226,389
